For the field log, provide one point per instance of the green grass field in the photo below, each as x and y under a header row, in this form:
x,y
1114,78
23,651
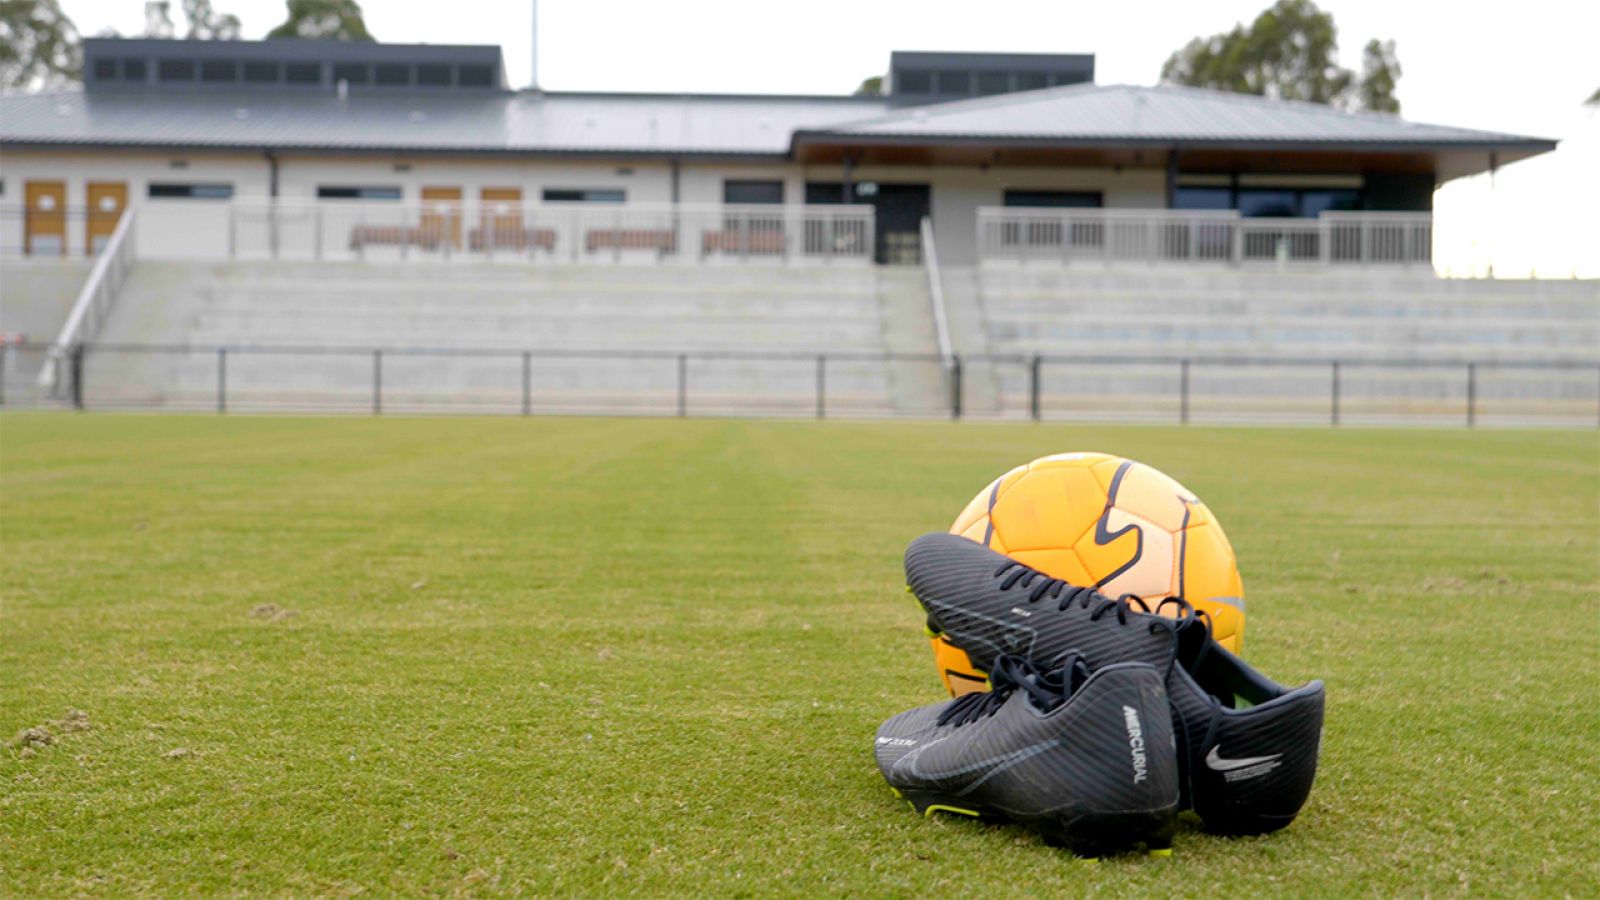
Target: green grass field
x,y
581,656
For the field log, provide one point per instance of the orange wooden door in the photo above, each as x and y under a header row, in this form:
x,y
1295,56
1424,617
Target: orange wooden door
x,y
44,218
107,200
502,216
441,215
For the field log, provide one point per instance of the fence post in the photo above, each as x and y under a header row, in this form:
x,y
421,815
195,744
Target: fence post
x,y
233,228
222,380
1334,413
822,386
527,382
377,382
1033,386
316,234
683,385
1472,394
1183,392
77,376
955,387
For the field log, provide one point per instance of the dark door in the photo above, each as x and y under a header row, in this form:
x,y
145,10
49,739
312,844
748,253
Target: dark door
x,y
899,210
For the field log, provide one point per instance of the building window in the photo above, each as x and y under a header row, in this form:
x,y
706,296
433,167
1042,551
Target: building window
x,y
584,195
357,192
752,192
1054,199
133,70
391,74
354,73
433,75
219,70
476,76
911,81
261,72
175,70
1071,77
1202,198
994,82
181,191
105,70
1032,81
302,73
954,82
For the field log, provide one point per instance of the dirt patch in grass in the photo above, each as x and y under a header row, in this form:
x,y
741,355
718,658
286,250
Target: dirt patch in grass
x,y
271,612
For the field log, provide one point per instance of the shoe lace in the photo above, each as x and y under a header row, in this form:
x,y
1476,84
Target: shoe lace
x,y
1048,688
1015,574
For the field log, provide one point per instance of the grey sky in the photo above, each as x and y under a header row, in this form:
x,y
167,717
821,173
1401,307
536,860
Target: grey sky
x,y
1520,67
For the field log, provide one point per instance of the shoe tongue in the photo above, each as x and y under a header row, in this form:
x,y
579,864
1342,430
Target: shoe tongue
x,y
1194,639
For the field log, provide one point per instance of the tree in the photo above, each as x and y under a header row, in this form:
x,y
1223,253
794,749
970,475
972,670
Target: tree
x,y
338,20
38,45
1289,52
871,87
158,19
1380,70
206,24
1594,97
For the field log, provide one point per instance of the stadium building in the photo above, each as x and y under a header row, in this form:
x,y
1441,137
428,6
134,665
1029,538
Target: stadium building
x,y
248,193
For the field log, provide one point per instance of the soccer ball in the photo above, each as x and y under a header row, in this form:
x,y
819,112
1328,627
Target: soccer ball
x,y
1101,521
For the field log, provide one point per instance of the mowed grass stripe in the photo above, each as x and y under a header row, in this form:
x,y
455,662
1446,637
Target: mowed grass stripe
x,y
596,656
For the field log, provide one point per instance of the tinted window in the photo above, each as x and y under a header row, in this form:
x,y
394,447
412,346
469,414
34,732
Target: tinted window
x,y
105,70
824,192
1316,201
1067,199
133,70
355,73
260,71
584,195
176,70
953,82
476,76
1031,81
190,191
392,73
993,82
357,192
752,192
1202,198
1071,77
219,70
433,75
1268,202
302,72
913,82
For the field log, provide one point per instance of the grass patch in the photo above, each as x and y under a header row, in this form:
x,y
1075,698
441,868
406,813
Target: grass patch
x,y
597,656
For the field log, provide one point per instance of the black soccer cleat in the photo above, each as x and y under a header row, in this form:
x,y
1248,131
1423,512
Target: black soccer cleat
x,y
1247,746
1088,760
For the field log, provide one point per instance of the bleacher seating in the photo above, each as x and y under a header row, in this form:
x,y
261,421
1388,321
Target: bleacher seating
x,y
578,321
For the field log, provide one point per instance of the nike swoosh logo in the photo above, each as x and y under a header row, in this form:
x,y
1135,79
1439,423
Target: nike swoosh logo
x,y
1217,763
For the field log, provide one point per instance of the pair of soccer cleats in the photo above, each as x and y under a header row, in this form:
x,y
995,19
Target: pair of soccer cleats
x,y
1104,718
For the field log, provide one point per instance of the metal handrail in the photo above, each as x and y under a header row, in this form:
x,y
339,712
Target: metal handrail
x,y
941,321
94,300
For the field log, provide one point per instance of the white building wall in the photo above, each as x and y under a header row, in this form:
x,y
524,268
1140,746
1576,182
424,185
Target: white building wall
x,y
190,228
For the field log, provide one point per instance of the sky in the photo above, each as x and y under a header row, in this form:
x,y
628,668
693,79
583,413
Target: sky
x,y
1524,68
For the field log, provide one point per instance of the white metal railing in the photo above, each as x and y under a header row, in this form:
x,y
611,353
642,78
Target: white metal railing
x,y
96,298
941,321
597,232
60,231
1202,236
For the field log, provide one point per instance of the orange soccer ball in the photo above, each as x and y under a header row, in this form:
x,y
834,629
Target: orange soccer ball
x,y
1098,520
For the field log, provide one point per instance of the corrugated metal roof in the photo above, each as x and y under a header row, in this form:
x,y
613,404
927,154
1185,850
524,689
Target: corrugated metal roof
x,y
1132,113
645,124
379,120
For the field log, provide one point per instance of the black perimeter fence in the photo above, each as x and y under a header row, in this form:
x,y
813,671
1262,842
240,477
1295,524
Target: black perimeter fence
x,y
1036,387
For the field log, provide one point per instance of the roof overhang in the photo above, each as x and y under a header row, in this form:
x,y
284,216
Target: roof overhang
x,y
1445,160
